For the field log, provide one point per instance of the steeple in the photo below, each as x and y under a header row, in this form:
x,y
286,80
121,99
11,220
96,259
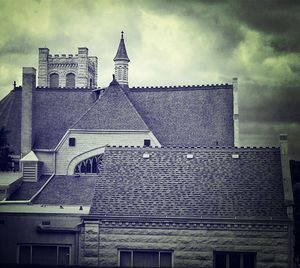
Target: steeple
x,y
121,63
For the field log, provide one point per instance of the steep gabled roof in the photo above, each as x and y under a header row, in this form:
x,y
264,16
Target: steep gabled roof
x,y
212,184
187,116
55,111
112,111
10,118
121,53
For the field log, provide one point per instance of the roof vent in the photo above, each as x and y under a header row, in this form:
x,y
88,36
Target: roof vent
x,y
235,156
146,155
189,156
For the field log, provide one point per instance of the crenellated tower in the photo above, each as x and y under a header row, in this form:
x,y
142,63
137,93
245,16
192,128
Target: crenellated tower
x,y
121,63
69,71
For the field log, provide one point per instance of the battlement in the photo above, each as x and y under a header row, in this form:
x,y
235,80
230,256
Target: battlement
x,y
199,148
63,56
80,68
183,87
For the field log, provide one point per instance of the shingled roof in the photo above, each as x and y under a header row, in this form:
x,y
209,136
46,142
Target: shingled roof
x,y
187,116
212,184
121,53
112,111
68,190
10,118
178,116
55,111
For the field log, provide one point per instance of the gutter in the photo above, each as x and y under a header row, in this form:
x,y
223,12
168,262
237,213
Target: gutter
x,y
29,201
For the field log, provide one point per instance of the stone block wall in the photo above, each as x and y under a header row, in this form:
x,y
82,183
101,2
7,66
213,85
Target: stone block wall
x,y
192,244
83,66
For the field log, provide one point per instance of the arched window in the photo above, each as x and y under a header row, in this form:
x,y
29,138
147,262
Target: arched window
x,y
70,80
89,166
54,80
91,83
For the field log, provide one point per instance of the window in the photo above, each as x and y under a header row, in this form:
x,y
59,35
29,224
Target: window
x,y
72,142
234,259
44,254
70,80
89,166
54,78
147,143
145,258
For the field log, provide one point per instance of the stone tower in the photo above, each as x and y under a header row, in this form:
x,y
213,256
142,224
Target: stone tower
x,y
69,71
121,63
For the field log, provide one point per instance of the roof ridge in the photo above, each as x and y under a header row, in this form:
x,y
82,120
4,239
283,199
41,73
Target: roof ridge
x,y
233,148
86,111
63,88
129,112
134,108
182,86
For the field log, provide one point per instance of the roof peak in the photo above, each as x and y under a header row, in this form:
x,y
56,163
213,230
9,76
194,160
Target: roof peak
x,y
121,53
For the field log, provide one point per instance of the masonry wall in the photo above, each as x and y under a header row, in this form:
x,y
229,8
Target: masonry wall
x,y
89,141
22,229
192,247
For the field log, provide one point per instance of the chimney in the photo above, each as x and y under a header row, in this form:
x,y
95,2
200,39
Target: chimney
x,y
82,71
236,112
43,67
286,175
28,85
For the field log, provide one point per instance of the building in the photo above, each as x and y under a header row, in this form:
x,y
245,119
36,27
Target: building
x,y
140,177
67,71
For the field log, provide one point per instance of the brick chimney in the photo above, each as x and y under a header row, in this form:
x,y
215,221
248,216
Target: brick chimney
x,y
28,85
286,175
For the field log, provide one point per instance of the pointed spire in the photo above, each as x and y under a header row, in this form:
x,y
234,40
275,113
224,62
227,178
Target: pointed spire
x,y
121,53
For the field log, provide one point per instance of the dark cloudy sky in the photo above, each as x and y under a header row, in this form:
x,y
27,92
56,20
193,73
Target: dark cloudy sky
x,y
174,43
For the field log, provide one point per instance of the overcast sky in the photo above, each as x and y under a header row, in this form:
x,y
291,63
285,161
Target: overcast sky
x,y
174,43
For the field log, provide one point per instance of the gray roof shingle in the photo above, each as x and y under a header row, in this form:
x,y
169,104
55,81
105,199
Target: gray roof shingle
x,y
10,118
55,111
187,116
67,190
112,111
178,116
121,53
211,185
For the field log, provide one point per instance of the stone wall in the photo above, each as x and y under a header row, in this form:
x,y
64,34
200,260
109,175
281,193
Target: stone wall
x,y
83,66
193,245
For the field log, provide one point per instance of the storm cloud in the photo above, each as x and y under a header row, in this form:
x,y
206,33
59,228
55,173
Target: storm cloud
x,y
174,43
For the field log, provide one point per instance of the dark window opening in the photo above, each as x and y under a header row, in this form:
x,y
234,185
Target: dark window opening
x,y
89,166
70,80
147,143
54,80
72,142
234,259
91,83
145,258
44,254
